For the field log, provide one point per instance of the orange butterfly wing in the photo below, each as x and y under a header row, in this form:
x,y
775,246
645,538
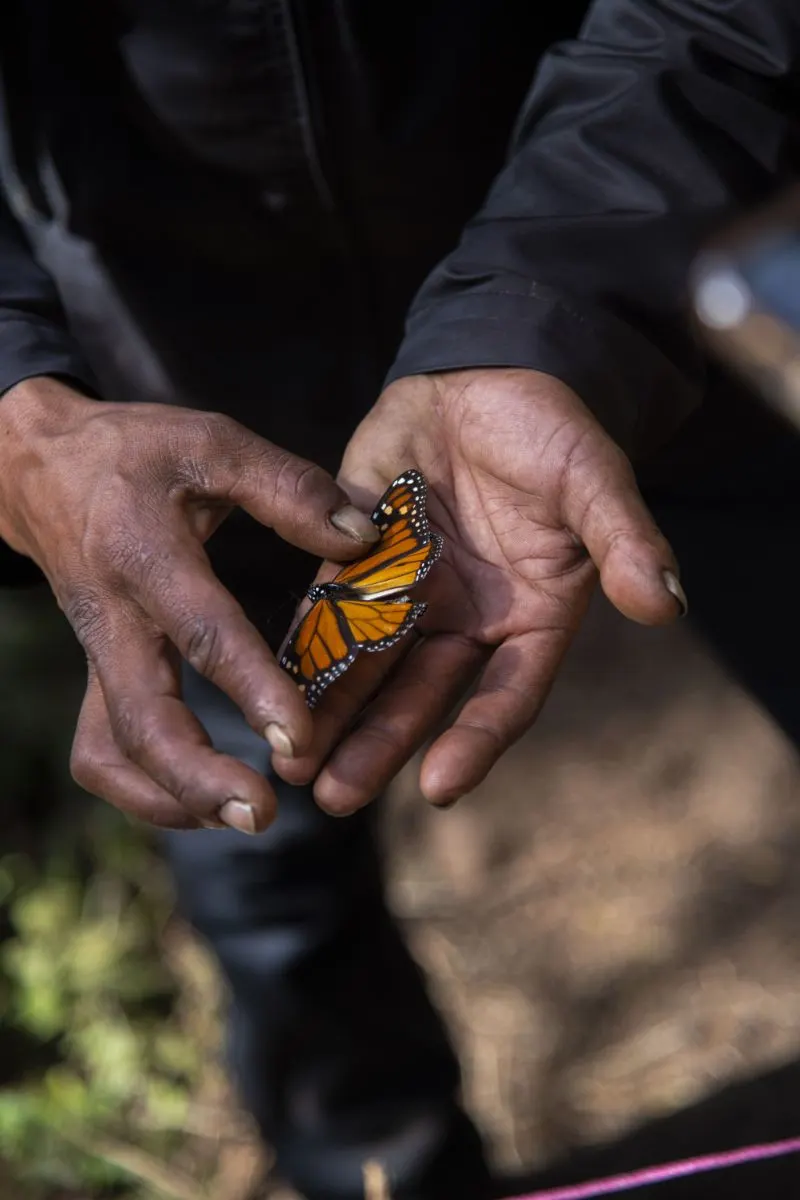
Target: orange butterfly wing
x,y
317,646
370,611
407,549
332,632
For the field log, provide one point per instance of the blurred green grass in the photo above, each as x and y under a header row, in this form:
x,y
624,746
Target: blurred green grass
x,y
109,1022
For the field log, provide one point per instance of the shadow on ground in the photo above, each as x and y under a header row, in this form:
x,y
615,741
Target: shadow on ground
x,y
611,922
764,1108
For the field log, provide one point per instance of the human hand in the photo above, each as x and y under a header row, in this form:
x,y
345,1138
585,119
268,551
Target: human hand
x,y
114,503
534,499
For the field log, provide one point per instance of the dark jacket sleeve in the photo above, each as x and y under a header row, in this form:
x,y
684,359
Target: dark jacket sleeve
x,y
34,340
636,141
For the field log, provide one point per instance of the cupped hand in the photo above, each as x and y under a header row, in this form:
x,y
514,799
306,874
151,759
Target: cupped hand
x,y
534,500
114,503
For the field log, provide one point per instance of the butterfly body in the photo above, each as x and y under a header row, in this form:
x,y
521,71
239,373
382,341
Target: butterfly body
x,y
366,606
343,591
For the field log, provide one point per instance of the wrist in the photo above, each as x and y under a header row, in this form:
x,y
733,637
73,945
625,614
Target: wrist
x,y
33,413
40,405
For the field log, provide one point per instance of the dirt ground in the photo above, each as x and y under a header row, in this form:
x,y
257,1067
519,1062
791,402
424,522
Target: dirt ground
x,y
610,923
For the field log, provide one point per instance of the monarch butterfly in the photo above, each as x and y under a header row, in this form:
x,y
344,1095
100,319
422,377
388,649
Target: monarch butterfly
x,y
365,606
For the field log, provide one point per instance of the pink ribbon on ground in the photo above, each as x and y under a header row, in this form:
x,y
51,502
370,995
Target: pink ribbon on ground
x,y
663,1174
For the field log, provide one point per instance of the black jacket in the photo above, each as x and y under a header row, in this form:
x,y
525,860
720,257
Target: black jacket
x,y
278,129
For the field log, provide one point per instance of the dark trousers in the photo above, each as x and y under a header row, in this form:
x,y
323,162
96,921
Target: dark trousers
x,y
335,1045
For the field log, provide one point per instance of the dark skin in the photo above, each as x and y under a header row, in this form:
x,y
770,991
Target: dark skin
x,y
535,502
114,503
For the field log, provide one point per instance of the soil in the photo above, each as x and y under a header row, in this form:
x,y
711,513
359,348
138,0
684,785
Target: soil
x,y
610,926
610,922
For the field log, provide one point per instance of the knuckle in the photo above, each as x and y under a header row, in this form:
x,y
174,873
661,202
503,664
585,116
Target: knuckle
x,y
625,543
188,795
220,458
596,480
298,482
495,740
140,732
126,721
593,455
581,452
215,427
87,770
81,766
210,433
200,642
85,610
132,561
618,468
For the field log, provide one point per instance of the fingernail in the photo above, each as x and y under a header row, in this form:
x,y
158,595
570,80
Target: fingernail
x,y
355,524
238,815
674,588
280,741
213,824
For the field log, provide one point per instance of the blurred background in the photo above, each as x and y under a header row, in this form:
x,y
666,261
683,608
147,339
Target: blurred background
x,y
610,924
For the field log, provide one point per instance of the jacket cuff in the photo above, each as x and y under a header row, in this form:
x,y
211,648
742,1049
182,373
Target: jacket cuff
x,y
30,347
638,395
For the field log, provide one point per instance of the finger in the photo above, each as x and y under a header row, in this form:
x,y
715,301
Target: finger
x,y
603,506
156,731
179,591
339,706
98,765
508,698
296,498
421,693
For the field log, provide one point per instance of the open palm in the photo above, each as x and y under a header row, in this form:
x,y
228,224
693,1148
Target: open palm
x,y
533,499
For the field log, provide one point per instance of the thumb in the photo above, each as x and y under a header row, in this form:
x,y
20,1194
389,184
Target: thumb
x,y
291,495
602,505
